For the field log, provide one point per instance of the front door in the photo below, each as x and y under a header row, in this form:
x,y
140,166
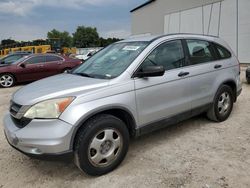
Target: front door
x,y
33,69
166,96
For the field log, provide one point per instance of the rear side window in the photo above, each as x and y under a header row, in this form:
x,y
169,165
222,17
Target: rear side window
x,y
35,60
53,58
200,51
222,52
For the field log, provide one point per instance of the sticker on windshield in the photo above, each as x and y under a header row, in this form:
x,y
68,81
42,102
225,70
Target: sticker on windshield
x,y
131,48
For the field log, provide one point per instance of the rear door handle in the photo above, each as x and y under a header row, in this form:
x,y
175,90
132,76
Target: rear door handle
x,y
217,66
182,74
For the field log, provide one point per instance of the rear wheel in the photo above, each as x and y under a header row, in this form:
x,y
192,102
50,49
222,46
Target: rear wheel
x,y
7,80
222,105
102,145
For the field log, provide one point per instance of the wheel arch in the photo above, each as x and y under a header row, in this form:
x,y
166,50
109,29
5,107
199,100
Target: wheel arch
x,y
231,84
120,112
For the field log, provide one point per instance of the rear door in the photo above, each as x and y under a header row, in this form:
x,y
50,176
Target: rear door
x,y
204,68
33,69
53,65
162,97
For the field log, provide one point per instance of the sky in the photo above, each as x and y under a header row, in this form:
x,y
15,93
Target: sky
x,y
32,19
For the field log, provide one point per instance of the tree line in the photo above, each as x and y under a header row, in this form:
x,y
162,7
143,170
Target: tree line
x,y
83,37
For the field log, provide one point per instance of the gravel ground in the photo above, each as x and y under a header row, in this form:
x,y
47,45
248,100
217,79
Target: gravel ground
x,y
195,153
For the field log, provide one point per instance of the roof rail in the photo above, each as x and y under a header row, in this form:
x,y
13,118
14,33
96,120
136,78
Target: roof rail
x,y
165,35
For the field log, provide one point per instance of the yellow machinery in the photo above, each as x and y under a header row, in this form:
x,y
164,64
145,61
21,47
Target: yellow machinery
x,y
36,50
67,51
33,49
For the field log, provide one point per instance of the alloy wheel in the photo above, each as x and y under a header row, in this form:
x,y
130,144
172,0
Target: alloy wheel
x,y
6,80
105,147
224,103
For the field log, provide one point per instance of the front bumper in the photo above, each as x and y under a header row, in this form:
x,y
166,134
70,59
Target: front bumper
x,y
39,137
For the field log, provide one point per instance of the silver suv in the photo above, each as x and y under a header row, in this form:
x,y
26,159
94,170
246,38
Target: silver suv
x,y
130,88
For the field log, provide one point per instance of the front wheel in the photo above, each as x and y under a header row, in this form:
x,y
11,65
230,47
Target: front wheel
x,y
222,105
7,80
101,145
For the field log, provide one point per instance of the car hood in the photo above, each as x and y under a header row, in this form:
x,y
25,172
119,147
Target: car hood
x,y
57,86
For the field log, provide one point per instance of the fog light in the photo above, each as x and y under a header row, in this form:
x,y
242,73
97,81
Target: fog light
x,y
35,151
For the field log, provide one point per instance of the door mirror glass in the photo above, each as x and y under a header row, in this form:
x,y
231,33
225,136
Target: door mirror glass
x,y
151,71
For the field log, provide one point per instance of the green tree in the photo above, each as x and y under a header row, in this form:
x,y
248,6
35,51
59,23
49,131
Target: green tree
x,y
85,37
63,38
105,42
8,42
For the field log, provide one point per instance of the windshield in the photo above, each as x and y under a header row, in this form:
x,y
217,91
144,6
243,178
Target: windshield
x,y
111,61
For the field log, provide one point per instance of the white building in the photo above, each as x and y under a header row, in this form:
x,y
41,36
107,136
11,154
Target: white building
x,y
229,19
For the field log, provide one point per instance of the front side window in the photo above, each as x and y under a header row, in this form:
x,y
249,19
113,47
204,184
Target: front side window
x,y
170,55
111,61
200,51
35,60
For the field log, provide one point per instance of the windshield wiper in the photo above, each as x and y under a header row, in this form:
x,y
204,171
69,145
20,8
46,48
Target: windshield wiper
x,y
84,74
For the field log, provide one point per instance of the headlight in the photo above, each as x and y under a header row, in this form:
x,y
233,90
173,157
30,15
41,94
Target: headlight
x,y
50,109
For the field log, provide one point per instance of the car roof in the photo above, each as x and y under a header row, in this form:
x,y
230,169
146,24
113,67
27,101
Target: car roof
x,y
46,54
19,53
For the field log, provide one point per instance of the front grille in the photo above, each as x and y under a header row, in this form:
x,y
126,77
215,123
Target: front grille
x,y
17,112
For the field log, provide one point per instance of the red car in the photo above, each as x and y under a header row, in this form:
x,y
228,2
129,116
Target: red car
x,y
35,67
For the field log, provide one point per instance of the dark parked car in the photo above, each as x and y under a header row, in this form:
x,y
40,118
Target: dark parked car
x,y
11,58
248,75
35,67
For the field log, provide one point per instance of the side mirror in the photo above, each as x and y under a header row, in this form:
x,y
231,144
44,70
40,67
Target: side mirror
x,y
22,65
89,55
151,71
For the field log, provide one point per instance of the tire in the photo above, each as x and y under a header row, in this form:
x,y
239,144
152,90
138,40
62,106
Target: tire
x,y
222,105
7,80
101,145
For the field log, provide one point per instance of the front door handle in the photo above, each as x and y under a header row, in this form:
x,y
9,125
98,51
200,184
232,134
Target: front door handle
x,y
217,66
182,74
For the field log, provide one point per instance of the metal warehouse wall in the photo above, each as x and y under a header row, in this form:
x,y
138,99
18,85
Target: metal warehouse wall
x,y
229,19
150,18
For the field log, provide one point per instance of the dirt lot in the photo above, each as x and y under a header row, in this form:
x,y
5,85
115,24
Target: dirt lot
x,y
196,153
